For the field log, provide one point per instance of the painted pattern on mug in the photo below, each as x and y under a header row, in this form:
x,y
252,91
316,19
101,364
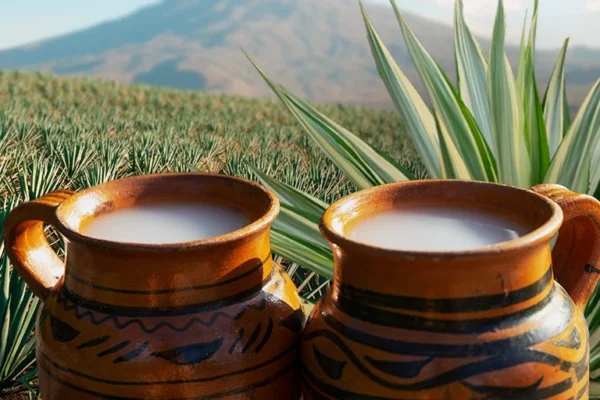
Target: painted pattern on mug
x,y
368,352
247,345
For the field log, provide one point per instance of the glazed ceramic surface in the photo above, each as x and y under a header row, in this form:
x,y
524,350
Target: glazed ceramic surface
x,y
489,323
210,319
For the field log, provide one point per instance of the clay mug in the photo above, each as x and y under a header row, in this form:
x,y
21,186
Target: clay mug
x,y
210,319
490,323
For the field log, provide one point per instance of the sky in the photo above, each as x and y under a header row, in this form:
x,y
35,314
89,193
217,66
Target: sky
x,y
26,21
558,19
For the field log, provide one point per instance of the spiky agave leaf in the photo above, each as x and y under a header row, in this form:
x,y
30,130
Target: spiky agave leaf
x,y
507,121
414,111
534,128
570,166
292,196
362,164
18,309
555,103
472,74
451,110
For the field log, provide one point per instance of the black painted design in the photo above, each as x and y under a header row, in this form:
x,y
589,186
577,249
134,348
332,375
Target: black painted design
x,y
581,367
277,359
294,321
61,331
253,337
69,305
563,313
549,328
583,391
236,341
232,392
566,366
253,270
530,392
554,390
480,357
498,362
385,317
313,384
190,354
574,340
266,337
142,312
590,269
350,296
132,354
400,369
496,392
316,386
94,342
115,348
332,368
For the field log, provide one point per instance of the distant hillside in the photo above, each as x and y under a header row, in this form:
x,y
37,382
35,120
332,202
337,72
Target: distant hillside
x,y
317,48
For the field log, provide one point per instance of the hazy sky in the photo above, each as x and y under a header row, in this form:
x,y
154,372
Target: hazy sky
x,y
559,19
24,21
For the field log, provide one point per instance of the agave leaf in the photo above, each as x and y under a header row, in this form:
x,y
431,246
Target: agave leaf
x,y
364,166
555,105
540,153
527,48
295,236
300,224
595,172
300,251
17,316
384,169
466,136
567,113
507,127
472,70
292,196
534,126
447,156
522,57
570,166
410,105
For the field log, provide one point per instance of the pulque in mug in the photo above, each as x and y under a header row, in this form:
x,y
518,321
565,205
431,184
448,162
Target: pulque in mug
x,y
163,319
480,322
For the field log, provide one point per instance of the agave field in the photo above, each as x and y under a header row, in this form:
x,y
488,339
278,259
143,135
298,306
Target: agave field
x,y
493,124
65,133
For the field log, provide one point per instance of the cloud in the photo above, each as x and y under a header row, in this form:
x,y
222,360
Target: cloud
x,y
593,5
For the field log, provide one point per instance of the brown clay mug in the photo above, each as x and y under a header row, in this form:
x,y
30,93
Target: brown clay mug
x,y
209,319
490,323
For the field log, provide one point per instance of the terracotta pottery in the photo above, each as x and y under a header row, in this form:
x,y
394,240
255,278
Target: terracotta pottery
x,y
211,319
484,324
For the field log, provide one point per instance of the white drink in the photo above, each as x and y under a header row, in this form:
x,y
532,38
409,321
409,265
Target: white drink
x,y
160,223
433,229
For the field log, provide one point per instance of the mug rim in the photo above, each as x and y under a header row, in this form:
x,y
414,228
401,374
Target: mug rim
x,y
535,237
254,227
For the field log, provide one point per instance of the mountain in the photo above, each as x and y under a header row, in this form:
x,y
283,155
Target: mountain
x,y
316,48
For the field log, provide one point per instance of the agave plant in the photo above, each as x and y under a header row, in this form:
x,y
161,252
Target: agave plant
x,y
18,308
491,125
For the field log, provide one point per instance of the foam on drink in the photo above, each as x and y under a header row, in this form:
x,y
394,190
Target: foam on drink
x,y
433,229
169,222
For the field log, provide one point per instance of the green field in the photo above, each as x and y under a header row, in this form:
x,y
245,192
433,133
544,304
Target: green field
x,y
75,133
81,132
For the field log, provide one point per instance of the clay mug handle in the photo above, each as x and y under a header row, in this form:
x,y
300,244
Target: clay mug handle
x,y
26,244
576,254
